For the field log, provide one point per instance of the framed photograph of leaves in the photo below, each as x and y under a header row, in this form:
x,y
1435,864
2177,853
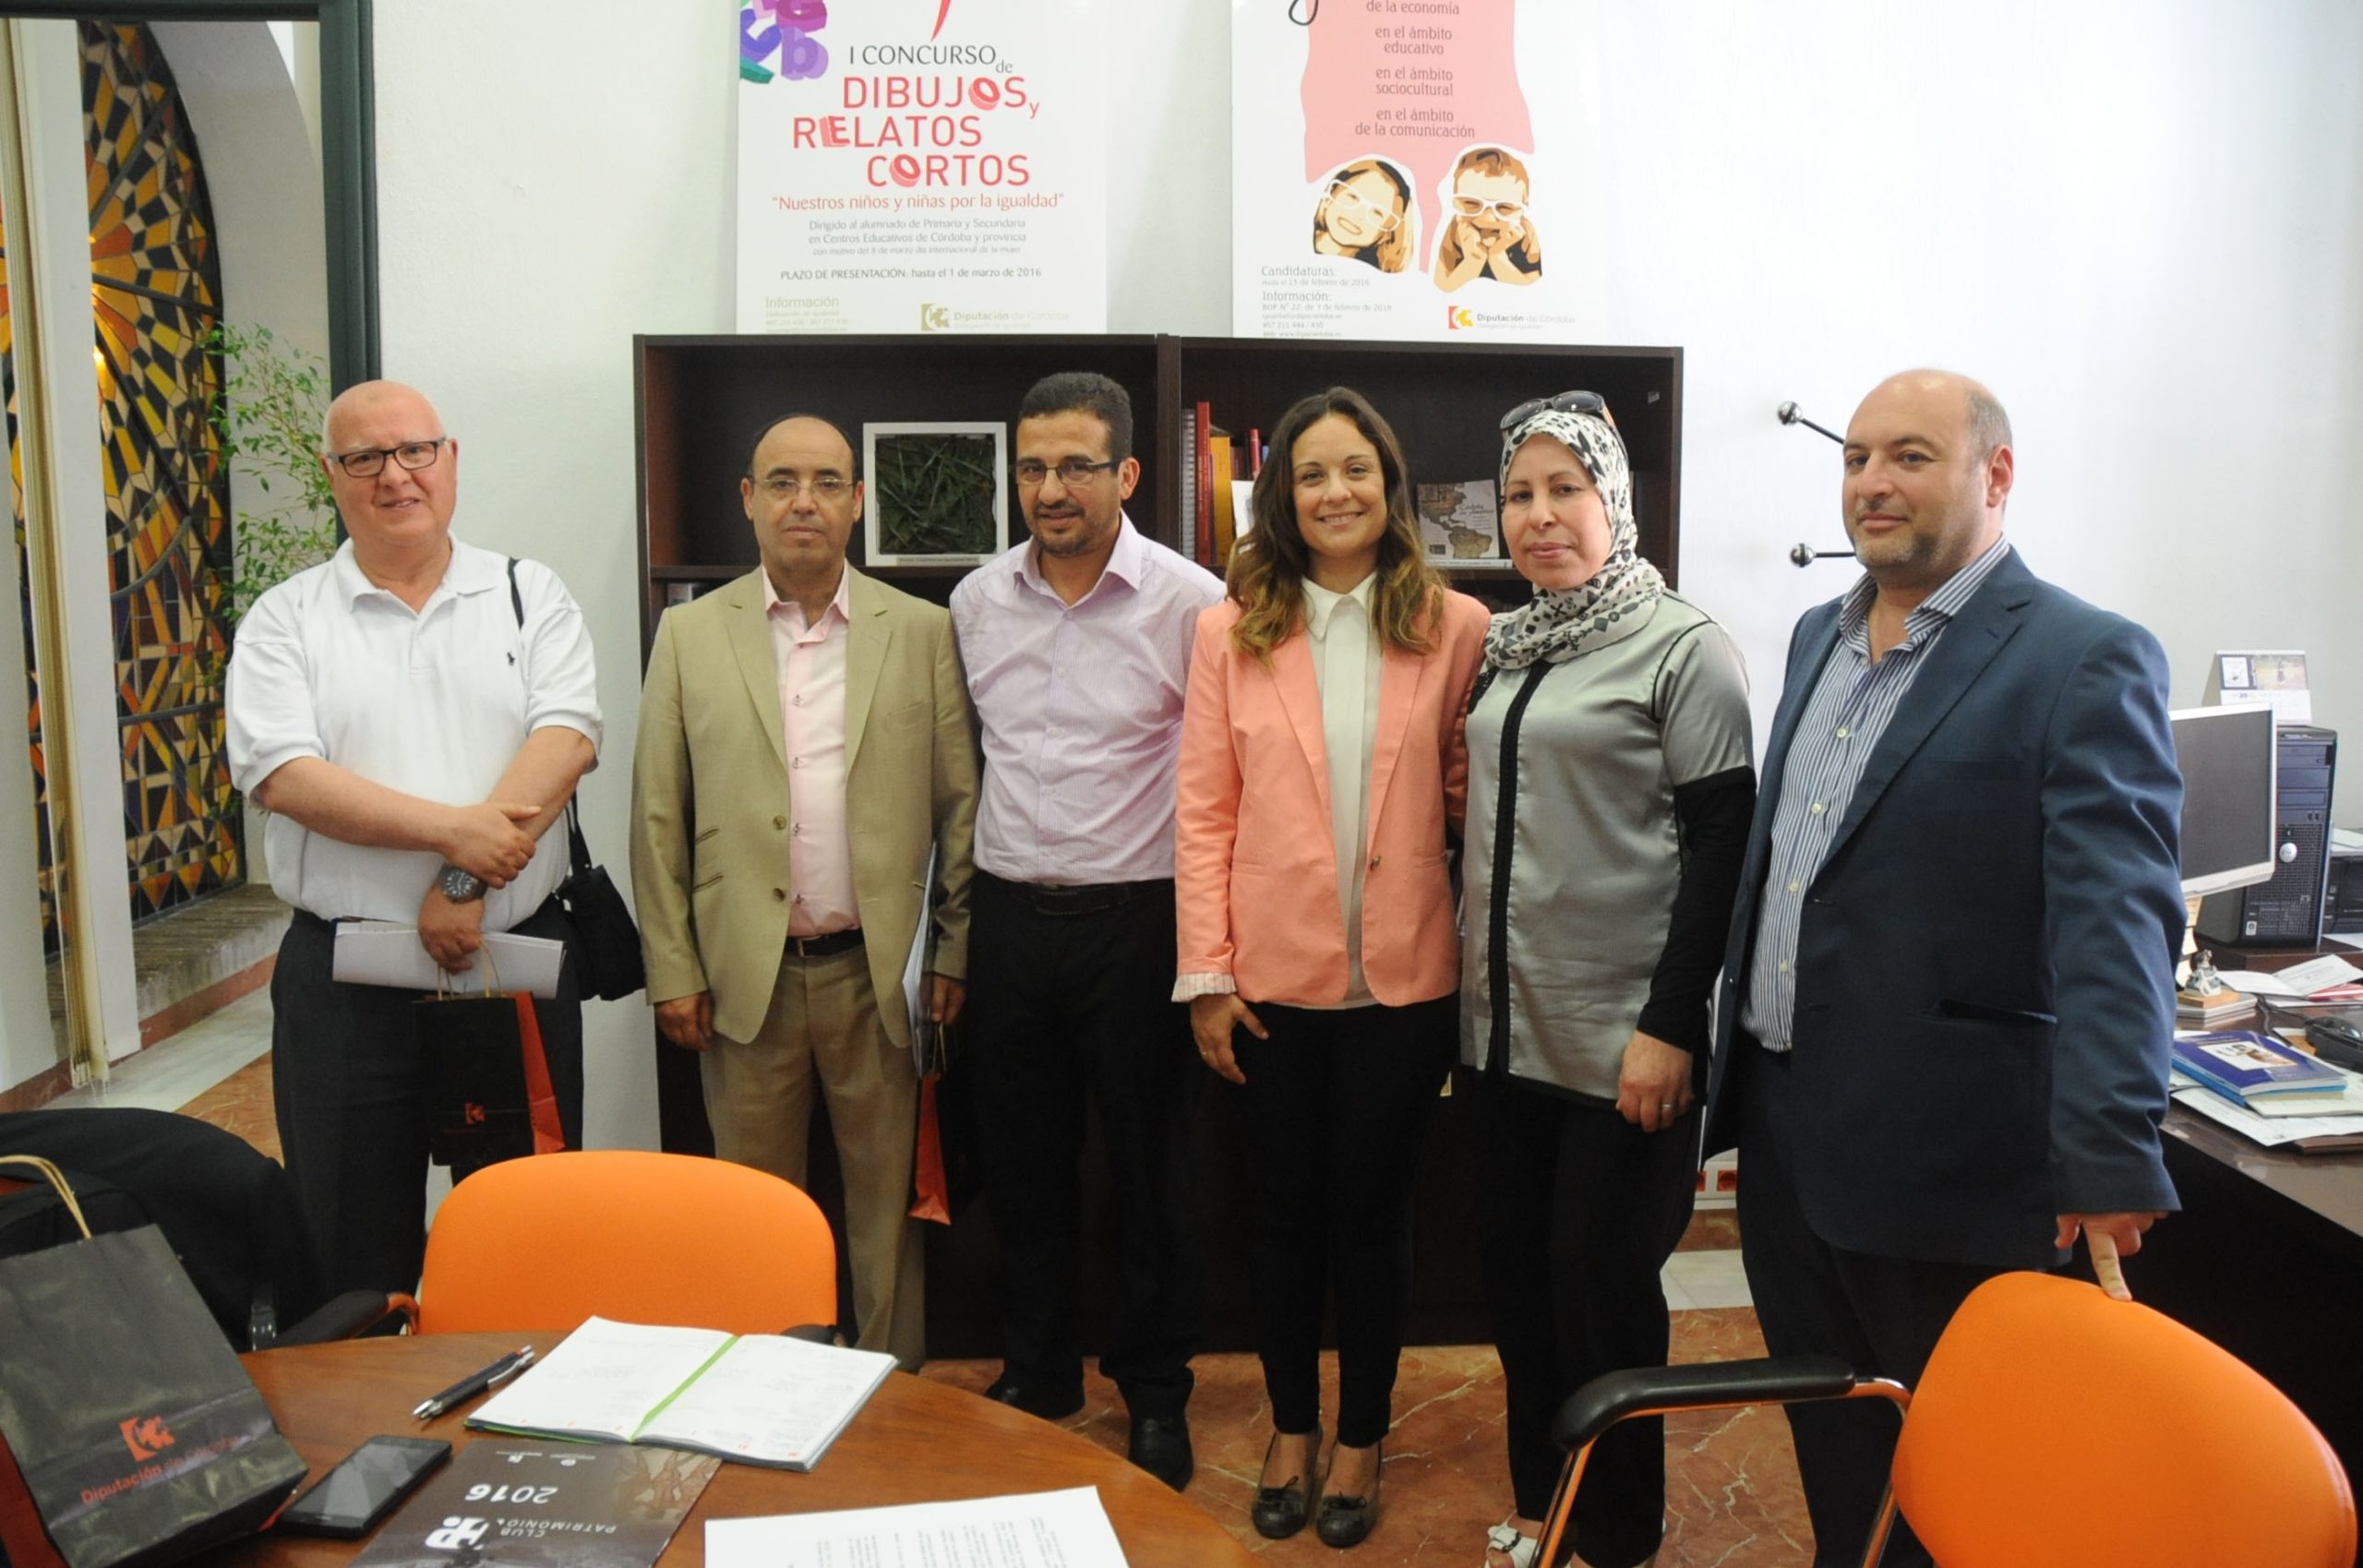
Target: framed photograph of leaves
x,y
935,492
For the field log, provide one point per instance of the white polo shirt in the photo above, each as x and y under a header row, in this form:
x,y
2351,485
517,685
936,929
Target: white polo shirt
x,y
436,703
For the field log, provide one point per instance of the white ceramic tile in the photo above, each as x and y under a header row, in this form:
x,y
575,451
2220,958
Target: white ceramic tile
x,y
1709,1279
171,1073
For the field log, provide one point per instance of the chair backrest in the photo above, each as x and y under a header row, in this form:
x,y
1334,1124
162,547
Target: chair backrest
x,y
2055,1426
544,1242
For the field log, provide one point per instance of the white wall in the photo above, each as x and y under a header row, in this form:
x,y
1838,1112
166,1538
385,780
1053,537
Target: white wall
x,y
2141,223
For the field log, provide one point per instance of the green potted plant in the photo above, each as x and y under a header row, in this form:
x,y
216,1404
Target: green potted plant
x,y
268,411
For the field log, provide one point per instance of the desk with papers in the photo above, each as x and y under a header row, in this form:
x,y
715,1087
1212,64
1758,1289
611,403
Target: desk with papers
x,y
914,1441
2265,1260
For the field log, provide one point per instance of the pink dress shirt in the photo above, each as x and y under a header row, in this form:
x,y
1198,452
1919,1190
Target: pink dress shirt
x,y
811,661
1080,706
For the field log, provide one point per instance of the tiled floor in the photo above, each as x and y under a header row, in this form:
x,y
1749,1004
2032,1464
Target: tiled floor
x,y
1732,1489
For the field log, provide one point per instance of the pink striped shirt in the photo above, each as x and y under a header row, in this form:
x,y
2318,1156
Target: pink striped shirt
x,y
1080,706
811,661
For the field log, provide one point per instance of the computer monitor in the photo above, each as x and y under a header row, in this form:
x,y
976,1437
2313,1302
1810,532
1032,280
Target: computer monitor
x,y
2229,837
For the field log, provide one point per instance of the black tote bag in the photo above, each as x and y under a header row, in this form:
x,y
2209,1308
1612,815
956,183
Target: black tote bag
x,y
136,1436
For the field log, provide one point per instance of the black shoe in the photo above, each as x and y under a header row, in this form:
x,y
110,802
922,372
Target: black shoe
x,y
1280,1511
1161,1446
1345,1521
1035,1399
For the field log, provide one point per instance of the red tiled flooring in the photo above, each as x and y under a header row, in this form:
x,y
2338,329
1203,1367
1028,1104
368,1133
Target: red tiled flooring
x,y
1732,1496
240,1104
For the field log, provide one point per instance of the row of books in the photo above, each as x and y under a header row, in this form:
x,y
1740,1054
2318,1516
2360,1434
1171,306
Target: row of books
x,y
1216,483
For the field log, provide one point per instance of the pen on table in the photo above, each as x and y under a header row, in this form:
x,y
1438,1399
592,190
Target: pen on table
x,y
476,1382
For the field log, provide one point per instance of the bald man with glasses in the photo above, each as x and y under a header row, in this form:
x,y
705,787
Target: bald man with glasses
x,y
413,712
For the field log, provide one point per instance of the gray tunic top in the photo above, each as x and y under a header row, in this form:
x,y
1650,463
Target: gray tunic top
x,y
1604,742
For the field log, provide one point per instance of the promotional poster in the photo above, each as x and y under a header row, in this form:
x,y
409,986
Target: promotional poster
x,y
921,167
1415,169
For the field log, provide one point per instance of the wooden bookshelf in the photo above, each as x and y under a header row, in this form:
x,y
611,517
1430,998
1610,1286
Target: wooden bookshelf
x,y
699,400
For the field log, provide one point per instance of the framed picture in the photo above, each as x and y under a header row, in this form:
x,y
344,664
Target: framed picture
x,y
934,492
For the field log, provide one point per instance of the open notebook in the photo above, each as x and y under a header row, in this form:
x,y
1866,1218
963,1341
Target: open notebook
x,y
756,1398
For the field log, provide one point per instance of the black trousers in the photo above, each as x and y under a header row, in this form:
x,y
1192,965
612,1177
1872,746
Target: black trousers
x,y
1879,1314
1337,1101
1065,1010
348,1083
1580,1210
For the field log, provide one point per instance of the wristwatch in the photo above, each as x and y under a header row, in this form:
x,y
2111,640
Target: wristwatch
x,y
459,886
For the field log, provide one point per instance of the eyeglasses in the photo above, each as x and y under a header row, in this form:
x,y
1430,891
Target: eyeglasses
x,y
370,461
1387,221
1565,403
1073,472
786,486
1478,206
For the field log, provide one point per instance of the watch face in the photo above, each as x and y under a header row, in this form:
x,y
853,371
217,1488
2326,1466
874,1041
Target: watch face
x,y
460,886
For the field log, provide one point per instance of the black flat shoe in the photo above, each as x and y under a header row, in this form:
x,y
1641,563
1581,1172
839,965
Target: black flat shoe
x,y
1160,1444
1280,1511
1347,1521
1051,1404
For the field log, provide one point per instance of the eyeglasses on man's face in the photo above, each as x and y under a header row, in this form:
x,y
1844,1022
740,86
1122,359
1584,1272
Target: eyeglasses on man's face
x,y
1343,195
369,461
1073,472
1478,206
786,486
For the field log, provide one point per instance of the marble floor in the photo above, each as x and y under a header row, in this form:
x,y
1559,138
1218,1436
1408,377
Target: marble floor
x,y
1732,1496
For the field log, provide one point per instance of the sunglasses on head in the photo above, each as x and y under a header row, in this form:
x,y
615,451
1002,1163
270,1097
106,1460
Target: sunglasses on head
x,y
1565,403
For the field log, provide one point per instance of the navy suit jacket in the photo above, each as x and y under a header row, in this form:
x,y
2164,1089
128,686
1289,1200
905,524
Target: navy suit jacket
x,y
1984,967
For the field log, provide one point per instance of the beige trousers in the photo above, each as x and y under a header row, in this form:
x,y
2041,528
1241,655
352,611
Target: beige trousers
x,y
823,1024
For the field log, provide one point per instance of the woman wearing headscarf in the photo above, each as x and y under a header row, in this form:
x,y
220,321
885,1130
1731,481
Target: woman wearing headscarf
x,y
1321,773
1610,783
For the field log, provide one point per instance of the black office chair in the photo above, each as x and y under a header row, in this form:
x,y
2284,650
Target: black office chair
x,y
226,1208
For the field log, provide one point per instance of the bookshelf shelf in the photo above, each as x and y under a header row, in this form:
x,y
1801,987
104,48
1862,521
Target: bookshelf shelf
x,y
700,399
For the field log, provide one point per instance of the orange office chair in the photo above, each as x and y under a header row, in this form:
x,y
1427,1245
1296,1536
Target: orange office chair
x,y
2053,1427
543,1243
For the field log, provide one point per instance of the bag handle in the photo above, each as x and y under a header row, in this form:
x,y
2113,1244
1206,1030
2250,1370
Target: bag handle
x,y
57,1179
578,851
447,989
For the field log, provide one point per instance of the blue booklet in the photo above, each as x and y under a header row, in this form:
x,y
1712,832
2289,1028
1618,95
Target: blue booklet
x,y
2246,1066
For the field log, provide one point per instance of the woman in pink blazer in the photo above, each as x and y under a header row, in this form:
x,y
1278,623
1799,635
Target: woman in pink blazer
x,y
1321,764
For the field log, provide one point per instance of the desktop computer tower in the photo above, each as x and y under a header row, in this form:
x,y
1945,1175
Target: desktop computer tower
x,y
2286,911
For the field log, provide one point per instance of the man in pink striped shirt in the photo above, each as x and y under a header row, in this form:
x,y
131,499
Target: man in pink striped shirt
x,y
1077,648
804,746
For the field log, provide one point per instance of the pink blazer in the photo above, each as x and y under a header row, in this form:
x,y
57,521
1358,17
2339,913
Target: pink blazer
x,y
1255,870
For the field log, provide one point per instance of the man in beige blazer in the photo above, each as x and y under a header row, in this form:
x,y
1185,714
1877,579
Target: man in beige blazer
x,y
805,745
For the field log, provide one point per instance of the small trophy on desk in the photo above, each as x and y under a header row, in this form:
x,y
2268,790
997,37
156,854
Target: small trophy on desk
x,y
2204,999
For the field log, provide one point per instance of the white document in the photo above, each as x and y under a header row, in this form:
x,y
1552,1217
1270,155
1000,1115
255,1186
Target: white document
x,y
2271,1131
1243,510
2298,980
926,1049
378,952
1042,1529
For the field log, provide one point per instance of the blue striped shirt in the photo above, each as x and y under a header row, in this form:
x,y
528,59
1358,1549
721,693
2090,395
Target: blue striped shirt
x,y
1851,703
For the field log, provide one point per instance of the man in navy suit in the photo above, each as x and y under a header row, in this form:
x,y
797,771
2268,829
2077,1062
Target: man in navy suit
x,y
1947,999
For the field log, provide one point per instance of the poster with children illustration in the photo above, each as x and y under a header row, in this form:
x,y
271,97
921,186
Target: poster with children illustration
x,y
1415,169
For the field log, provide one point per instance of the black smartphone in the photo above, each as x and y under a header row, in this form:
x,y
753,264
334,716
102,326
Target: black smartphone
x,y
366,1482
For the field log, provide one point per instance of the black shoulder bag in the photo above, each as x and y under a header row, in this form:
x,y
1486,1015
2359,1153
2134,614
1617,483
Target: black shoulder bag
x,y
607,943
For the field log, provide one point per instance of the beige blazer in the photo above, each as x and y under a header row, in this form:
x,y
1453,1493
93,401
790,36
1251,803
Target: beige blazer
x,y
710,797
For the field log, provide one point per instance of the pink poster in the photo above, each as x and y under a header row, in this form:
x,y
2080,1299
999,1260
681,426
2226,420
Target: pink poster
x,y
1415,169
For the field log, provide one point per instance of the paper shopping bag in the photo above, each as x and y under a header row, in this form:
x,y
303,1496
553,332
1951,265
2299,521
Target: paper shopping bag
x,y
129,1434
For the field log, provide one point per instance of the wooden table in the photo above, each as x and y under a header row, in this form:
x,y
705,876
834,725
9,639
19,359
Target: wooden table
x,y
914,1441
